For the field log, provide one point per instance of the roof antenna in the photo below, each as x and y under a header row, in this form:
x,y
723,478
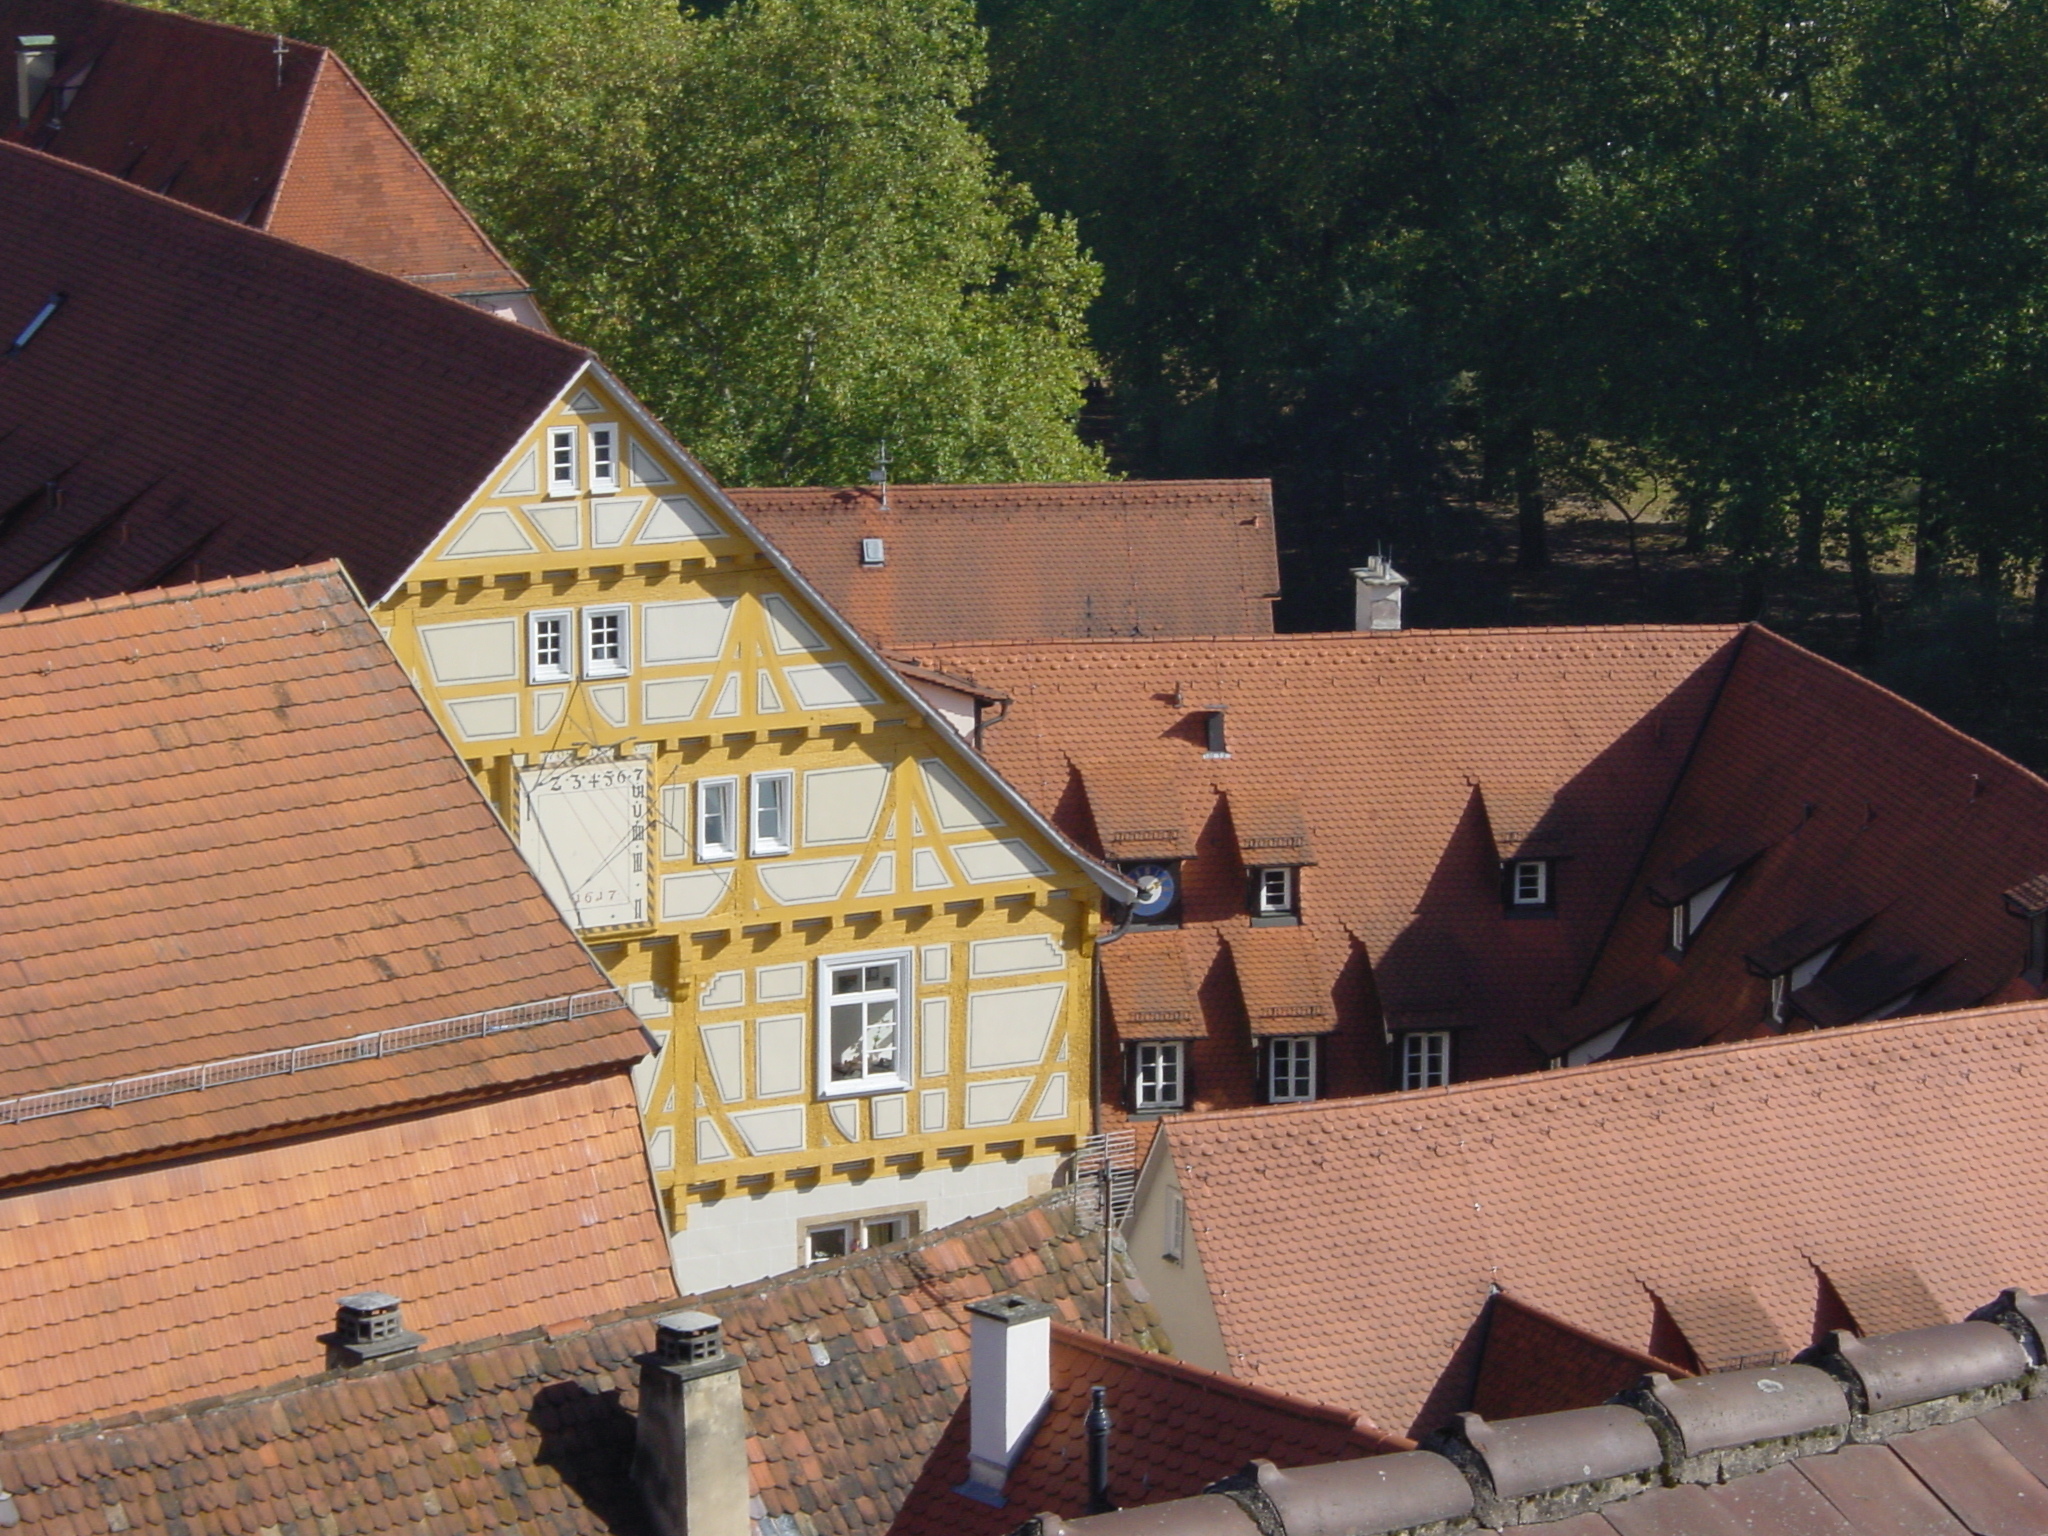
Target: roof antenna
x,y
879,475
278,49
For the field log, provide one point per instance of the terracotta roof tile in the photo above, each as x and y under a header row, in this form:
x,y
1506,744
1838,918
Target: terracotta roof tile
x,y
1018,562
1284,978
277,135
185,310
190,881
1592,1191
1532,1362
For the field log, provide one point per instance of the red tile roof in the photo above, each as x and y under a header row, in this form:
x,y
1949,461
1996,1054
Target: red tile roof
x,y
1019,562
1533,1362
159,1285
1847,814
233,828
1381,758
278,135
1175,1428
211,401
851,1373
1720,1183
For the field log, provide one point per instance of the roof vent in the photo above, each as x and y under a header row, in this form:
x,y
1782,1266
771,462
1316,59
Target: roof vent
x,y
1379,588
368,1326
871,552
688,1338
35,62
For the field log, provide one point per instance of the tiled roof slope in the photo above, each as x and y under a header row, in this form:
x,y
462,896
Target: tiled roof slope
x,y
232,827
1863,819
163,1284
1714,1185
1175,1428
1532,1362
1408,762
210,401
1023,562
278,135
851,1372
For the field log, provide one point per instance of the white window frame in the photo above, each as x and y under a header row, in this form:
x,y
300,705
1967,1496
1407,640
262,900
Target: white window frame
x,y
1291,1069
894,1078
764,841
1264,902
1535,894
1690,915
564,668
712,796
604,466
1159,1075
1425,1058
860,1233
562,462
592,666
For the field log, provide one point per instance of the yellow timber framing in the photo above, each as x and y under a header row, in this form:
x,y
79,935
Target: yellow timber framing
x,y
607,641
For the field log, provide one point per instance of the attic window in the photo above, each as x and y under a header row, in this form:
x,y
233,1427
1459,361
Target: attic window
x,y
1785,983
1600,1046
562,461
1529,885
871,552
1689,914
35,62
1273,893
604,458
50,307
1212,725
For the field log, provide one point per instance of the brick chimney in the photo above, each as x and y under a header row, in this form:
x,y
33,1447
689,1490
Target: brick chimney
x,y
690,1460
1010,1386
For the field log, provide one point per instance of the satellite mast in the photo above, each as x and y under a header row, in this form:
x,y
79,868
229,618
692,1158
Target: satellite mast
x,y
879,475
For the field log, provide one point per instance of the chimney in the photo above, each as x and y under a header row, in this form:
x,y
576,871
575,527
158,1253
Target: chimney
x,y
1098,1426
1011,1384
1379,588
690,1461
35,61
368,1326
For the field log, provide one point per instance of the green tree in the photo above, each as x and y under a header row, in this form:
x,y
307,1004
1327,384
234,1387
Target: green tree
x,y
774,221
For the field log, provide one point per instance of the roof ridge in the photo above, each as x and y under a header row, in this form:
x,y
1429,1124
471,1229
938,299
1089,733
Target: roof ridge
x,y
302,253
1205,1122
149,596
1364,637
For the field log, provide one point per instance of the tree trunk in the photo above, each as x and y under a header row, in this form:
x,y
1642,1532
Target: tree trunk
x,y
1930,547
1812,512
1869,625
1696,512
1532,534
1991,575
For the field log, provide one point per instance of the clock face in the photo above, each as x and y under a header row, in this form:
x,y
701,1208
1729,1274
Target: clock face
x,y
1157,886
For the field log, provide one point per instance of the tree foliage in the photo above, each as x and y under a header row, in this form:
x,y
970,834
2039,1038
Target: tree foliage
x,y
773,220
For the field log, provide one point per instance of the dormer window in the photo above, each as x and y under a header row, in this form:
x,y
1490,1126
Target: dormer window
x,y
1689,914
1530,885
1273,895
1785,983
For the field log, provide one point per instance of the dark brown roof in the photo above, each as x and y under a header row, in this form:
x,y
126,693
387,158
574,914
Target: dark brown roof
x,y
277,135
1845,814
210,401
1019,562
852,1373
234,829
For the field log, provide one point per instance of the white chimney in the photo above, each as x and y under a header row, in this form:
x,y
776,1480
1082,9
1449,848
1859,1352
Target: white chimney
x,y
1010,1386
1379,594
690,1458
35,61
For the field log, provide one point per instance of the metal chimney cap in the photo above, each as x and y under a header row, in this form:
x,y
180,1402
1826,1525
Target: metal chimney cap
x,y
37,40
688,1322
368,1301
1010,1309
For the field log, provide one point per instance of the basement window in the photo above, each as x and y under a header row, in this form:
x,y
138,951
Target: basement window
x,y
1290,1069
1159,1075
1426,1058
562,461
604,459
548,648
860,1000
605,652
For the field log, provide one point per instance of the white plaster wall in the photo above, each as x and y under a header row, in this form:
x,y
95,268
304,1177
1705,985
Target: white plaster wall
x,y
748,1237
1179,1289
955,708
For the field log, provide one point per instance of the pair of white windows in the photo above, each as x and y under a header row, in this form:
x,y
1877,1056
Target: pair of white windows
x,y
568,462
604,639
1158,1075
717,833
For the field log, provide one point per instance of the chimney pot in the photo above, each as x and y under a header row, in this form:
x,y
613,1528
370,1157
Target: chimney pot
x,y
1011,1384
688,1338
369,1326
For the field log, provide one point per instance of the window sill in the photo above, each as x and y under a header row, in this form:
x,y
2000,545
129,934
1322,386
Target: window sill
x,y
863,1089
1158,1111
607,677
769,853
716,858
1276,919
